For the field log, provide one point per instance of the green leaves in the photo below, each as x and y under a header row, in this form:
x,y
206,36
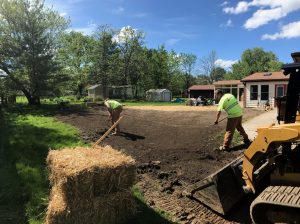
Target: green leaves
x,y
255,60
29,34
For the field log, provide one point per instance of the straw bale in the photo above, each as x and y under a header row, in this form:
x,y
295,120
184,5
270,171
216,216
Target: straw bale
x,y
112,208
87,173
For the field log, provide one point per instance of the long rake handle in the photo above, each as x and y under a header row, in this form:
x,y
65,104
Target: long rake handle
x,y
222,119
107,132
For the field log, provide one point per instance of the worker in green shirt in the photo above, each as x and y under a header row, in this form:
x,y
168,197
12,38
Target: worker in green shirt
x,y
234,112
114,109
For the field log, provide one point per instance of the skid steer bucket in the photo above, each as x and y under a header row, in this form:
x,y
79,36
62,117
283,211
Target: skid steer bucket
x,y
221,190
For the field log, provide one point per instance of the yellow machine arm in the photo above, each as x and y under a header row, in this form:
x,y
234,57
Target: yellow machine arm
x,y
261,146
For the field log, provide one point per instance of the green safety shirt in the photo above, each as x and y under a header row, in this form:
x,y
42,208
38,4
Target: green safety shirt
x,y
112,104
232,107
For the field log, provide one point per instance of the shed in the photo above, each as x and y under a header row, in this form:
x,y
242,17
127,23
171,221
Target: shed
x,y
261,87
206,91
159,95
97,91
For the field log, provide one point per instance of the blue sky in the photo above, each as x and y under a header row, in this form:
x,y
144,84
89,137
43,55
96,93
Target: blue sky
x,y
195,26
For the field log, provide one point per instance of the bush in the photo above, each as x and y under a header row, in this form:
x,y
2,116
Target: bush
x,y
62,103
87,99
99,98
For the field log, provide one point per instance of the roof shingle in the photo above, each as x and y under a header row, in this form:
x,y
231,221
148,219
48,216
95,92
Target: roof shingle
x,y
228,82
266,76
202,87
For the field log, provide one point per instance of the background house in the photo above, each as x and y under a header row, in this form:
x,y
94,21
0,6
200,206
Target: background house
x,y
206,91
235,87
263,86
97,92
158,95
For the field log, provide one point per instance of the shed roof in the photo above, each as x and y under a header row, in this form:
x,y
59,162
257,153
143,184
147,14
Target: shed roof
x,y
94,86
202,87
158,90
266,76
228,82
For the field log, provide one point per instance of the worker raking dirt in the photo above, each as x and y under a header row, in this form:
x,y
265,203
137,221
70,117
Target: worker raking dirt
x,y
115,109
234,112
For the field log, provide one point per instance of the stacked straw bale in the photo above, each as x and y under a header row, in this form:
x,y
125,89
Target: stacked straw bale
x,y
90,186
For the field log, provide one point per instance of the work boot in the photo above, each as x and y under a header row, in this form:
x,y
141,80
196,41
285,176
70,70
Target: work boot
x,y
247,142
223,148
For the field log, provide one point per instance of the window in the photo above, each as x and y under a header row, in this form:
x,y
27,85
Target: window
x,y
234,92
264,92
226,90
253,92
279,90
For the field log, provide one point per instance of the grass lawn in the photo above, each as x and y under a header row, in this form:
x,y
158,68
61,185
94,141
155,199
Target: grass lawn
x,y
72,100
26,134
147,103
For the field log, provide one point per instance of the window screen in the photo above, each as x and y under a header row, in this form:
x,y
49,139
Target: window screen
x,y
253,92
265,92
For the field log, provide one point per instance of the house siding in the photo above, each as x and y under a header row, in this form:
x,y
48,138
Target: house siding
x,y
259,102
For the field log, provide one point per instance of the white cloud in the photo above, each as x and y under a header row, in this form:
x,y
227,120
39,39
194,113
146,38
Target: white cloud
x,y
262,17
228,23
127,32
268,10
63,14
240,8
291,30
172,41
225,63
224,3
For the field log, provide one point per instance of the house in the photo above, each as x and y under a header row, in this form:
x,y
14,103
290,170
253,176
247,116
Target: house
x,y
97,92
206,91
159,95
235,87
261,87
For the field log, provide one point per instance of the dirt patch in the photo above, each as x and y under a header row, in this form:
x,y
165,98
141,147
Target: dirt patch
x,y
173,146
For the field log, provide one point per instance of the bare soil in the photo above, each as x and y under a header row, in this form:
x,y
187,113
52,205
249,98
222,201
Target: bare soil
x,y
173,147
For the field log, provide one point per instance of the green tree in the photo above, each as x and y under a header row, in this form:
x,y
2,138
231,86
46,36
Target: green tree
x,y
202,80
7,90
105,58
188,62
29,34
255,60
177,84
74,55
218,73
158,67
128,41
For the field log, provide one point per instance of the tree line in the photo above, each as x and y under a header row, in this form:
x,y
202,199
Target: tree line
x,y
40,57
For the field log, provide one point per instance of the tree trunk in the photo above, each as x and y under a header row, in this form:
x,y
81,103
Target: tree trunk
x,y
32,100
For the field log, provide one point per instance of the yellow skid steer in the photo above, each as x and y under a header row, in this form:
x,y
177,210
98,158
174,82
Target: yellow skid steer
x,y
269,168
